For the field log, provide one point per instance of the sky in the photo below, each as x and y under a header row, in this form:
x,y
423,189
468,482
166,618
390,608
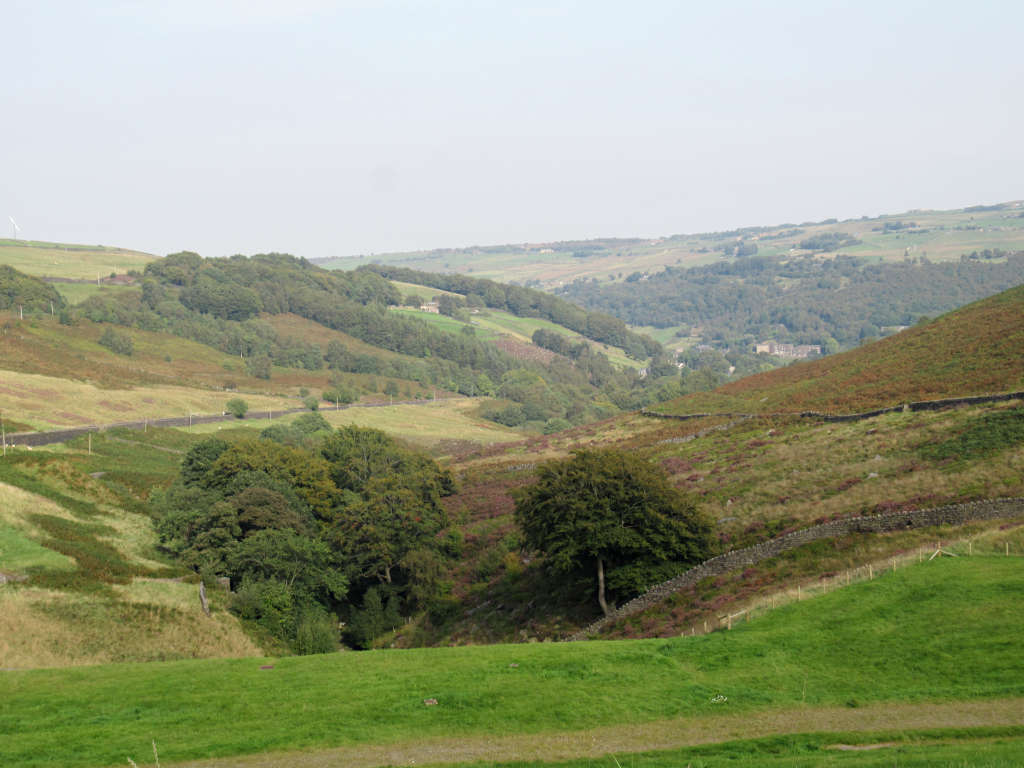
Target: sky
x,y
342,128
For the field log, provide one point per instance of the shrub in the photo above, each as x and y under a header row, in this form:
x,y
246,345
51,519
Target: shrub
x,y
312,403
317,632
117,342
339,394
238,407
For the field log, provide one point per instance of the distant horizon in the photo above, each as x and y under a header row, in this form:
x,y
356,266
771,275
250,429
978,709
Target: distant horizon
x,y
1013,202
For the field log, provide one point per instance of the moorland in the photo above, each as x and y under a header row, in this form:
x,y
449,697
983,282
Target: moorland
x,y
378,488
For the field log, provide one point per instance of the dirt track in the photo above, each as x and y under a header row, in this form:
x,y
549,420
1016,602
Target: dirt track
x,y
664,734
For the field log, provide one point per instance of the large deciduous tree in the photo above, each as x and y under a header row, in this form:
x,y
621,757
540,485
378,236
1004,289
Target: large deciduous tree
x,y
614,513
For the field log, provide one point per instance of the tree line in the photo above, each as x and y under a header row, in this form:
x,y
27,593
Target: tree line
x,y
835,302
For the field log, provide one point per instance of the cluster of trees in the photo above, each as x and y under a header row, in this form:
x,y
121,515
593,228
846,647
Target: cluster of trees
x,y
528,302
30,293
218,302
836,303
118,342
311,525
828,241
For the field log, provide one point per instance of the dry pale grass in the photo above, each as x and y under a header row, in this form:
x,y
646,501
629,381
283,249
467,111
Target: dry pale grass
x,y
133,535
42,628
427,424
47,402
661,735
17,505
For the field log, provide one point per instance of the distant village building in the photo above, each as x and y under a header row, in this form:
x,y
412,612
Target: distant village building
x,y
795,351
430,306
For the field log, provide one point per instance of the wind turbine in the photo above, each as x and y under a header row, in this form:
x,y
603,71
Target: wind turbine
x,y
15,227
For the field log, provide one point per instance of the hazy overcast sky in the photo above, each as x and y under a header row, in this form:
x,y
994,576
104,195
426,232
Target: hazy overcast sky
x,y
339,128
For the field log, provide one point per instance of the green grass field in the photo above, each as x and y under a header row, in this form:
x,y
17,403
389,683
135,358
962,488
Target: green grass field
x,y
934,633
77,262
76,293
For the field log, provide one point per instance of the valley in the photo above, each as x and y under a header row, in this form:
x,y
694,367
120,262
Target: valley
x,y
826,643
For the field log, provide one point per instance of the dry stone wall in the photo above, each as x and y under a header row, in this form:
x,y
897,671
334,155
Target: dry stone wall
x,y
951,514
921,405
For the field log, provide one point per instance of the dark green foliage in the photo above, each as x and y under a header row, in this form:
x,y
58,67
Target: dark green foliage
x,y
613,511
30,293
259,366
985,436
339,394
237,407
378,614
828,241
316,632
217,302
527,302
312,403
301,431
296,530
309,423
118,342
801,300
199,459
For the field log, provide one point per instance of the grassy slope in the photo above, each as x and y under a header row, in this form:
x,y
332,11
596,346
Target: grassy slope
x,y
443,427
75,262
977,349
875,642
97,590
490,324
755,479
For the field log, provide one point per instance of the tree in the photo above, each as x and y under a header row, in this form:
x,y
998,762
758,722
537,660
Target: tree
x,y
237,406
615,513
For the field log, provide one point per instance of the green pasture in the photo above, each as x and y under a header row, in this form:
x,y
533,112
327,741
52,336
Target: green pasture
x,y
491,324
942,631
19,553
76,293
78,262
444,322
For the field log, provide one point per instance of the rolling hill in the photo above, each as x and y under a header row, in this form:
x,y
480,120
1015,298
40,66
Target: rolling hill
x,y
936,235
974,350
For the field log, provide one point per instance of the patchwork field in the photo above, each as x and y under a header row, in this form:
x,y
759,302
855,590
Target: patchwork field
x,y
89,587
936,235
